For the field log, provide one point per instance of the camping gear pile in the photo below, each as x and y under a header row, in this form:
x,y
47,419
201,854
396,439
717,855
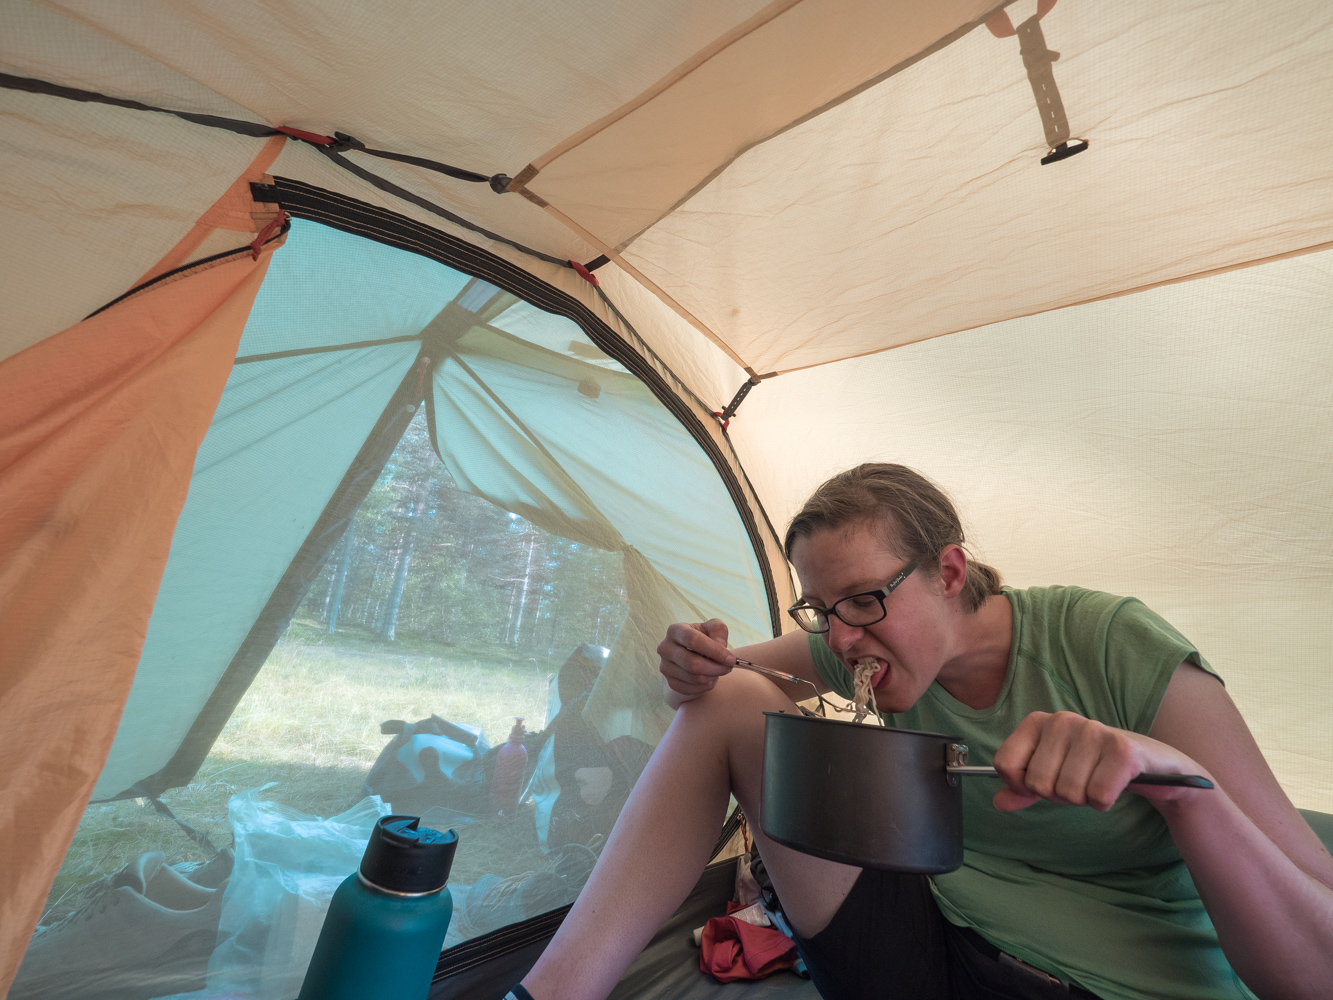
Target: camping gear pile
x,y
642,281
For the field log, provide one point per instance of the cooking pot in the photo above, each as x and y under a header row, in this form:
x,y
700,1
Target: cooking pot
x,y
874,796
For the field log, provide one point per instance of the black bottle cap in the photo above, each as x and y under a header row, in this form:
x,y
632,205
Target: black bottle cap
x,y
402,857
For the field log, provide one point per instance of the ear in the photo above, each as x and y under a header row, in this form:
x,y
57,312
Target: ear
x,y
953,570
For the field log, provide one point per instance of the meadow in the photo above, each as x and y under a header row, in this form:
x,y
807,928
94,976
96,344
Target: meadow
x,y
310,725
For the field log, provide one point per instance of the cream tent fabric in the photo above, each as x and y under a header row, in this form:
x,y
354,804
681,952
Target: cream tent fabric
x,y
919,208
1135,392
892,201
1174,445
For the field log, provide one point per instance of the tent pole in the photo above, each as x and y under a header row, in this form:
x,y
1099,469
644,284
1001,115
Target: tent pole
x,y
331,527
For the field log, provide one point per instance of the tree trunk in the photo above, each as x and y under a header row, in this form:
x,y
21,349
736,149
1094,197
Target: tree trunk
x,y
527,577
339,580
400,576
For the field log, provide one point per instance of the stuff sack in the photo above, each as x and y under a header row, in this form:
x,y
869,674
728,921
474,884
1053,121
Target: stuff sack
x,y
287,867
431,763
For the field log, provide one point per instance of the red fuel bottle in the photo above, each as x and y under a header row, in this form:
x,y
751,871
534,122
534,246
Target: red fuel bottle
x,y
510,763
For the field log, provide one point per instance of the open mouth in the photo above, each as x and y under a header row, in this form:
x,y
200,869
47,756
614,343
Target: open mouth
x,y
881,674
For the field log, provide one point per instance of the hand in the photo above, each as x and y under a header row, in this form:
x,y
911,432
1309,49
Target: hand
x,y
694,656
1066,758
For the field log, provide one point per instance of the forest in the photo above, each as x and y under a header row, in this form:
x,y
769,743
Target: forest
x,y
427,564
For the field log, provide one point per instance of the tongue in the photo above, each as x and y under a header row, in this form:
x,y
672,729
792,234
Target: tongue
x,y
880,674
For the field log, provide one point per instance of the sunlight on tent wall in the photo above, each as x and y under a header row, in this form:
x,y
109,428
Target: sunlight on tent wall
x,y
1171,445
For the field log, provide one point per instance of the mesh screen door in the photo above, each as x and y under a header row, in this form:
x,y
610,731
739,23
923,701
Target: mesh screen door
x,y
425,509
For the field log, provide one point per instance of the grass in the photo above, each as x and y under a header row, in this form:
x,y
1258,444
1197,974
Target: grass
x,y
310,723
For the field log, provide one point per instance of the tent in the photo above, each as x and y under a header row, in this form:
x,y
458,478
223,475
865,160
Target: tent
x,y
642,278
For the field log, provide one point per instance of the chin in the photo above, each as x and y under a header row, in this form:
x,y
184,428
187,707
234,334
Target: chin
x,y
889,705
897,701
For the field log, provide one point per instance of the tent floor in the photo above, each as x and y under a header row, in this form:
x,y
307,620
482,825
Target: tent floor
x,y
668,967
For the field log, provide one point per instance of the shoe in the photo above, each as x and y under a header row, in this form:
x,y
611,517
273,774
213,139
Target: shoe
x,y
212,873
149,934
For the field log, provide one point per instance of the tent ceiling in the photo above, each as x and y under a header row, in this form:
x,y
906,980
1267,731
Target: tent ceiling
x,y
485,86
821,225
790,61
920,208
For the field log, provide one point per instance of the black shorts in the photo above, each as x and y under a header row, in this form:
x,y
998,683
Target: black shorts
x,y
889,939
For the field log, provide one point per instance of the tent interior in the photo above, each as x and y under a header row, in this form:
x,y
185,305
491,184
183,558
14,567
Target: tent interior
x,y
374,377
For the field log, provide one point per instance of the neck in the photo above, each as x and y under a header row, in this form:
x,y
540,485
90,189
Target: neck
x,y
975,675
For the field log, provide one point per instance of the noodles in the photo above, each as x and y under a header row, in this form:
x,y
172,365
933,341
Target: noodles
x,y
862,695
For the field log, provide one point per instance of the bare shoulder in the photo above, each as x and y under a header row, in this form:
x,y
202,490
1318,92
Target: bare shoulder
x,y
1198,717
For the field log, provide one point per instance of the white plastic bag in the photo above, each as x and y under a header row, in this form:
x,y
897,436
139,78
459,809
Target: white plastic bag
x,y
287,867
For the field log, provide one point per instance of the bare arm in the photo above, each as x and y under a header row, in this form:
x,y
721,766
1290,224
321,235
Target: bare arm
x,y
1264,876
694,656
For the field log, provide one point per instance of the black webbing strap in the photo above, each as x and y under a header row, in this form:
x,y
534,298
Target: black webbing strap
x,y
389,187
331,146
32,86
730,409
191,265
339,141
499,182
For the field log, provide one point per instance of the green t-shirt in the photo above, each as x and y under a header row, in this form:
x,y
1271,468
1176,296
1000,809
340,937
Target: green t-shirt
x,y
1102,899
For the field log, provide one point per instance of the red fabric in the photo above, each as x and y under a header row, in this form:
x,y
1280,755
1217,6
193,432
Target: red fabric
x,y
733,950
297,133
584,273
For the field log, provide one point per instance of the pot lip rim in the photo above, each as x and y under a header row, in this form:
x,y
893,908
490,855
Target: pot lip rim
x,y
872,729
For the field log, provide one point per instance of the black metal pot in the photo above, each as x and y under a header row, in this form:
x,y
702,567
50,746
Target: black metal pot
x,y
873,796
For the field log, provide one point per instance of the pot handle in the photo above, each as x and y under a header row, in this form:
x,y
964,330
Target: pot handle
x,y
956,764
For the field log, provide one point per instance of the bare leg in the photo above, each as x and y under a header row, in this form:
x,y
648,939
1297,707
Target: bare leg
x,y
713,749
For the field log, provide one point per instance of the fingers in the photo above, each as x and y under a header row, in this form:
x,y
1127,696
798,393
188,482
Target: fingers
x,y
716,629
1065,758
700,648
1011,762
694,656
1008,800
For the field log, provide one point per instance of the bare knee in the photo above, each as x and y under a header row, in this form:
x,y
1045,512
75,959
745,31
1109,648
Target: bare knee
x,y
740,697
729,721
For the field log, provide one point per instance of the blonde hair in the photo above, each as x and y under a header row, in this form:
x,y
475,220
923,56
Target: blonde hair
x,y
914,515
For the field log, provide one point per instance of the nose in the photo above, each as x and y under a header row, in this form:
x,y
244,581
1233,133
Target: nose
x,y
841,636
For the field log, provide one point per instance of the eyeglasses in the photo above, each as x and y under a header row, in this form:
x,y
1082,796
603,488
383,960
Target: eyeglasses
x,y
857,611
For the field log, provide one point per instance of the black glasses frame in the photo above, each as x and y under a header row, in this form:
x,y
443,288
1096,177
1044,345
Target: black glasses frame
x,y
822,614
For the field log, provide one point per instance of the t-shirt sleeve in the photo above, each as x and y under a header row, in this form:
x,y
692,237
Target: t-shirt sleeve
x,y
1143,650
830,671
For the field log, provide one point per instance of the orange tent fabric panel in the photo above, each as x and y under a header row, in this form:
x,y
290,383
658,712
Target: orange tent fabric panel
x,y
99,426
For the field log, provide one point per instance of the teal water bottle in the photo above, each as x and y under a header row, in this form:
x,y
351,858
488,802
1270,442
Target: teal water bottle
x,y
386,923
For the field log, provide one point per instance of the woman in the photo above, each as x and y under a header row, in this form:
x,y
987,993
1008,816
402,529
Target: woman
x,y
1075,881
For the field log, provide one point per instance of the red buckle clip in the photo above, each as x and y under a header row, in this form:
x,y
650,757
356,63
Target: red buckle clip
x,y
585,274
315,137
279,220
